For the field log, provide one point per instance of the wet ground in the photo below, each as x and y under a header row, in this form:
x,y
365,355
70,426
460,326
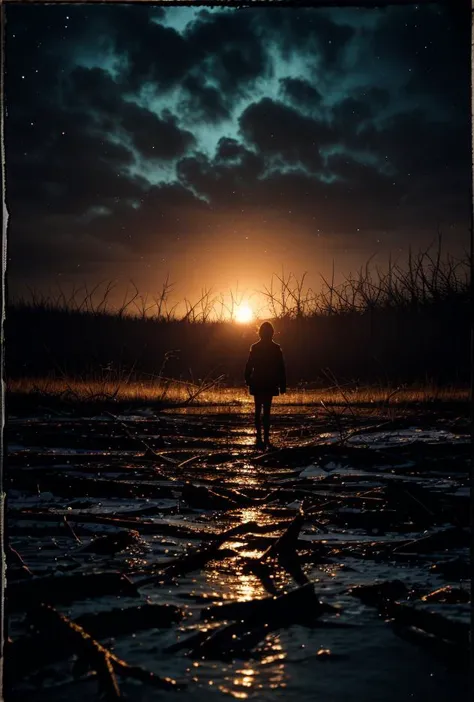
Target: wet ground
x,y
339,505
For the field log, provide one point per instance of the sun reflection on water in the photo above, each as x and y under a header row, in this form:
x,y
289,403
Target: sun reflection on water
x,y
277,672
250,514
234,582
255,514
238,586
245,437
247,680
233,693
248,587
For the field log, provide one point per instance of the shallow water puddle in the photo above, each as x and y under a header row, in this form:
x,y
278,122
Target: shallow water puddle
x,y
209,479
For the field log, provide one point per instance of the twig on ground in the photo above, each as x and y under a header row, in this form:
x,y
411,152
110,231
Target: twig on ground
x,y
95,656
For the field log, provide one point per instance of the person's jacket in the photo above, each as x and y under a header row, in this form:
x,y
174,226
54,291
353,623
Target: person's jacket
x,y
265,369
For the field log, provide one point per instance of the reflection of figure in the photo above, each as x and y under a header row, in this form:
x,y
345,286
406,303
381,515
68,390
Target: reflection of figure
x,y
265,375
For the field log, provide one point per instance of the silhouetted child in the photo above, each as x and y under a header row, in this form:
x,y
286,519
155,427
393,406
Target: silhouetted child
x,y
266,377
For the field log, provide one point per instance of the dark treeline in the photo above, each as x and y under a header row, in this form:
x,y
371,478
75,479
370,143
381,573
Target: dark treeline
x,y
406,324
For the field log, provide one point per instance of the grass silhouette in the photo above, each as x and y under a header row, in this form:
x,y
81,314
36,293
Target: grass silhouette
x,y
409,323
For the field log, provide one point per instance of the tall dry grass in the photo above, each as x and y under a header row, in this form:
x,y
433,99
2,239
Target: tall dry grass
x,y
174,393
423,279
408,322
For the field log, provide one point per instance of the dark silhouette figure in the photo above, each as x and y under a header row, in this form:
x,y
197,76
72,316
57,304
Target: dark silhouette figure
x,y
266,377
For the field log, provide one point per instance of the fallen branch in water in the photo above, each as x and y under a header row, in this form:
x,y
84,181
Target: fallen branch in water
x,y
256,620
301,603
198,557
452,537
431,622
29,653
112,543
149,450
202,497
444,636
145,526
219,497
71,531
284,550
92,655
15,561
288,452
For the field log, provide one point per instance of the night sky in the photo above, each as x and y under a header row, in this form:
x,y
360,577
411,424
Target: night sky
x,y
221,144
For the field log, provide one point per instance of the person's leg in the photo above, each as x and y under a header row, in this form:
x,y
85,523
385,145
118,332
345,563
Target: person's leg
x,y
267,407
258,420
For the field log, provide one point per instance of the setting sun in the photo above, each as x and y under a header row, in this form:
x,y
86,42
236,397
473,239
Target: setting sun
x,y
243,314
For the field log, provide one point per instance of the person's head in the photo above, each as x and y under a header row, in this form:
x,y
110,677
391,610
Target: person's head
x,y
266,331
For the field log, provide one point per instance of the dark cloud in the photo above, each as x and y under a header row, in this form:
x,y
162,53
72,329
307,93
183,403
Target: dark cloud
x,y
155,137
151,135
275,129
148,48
229,180
203,102
230,150
307,31
300,92
223,48
360,199
166,212
86,170
123,134
229,51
